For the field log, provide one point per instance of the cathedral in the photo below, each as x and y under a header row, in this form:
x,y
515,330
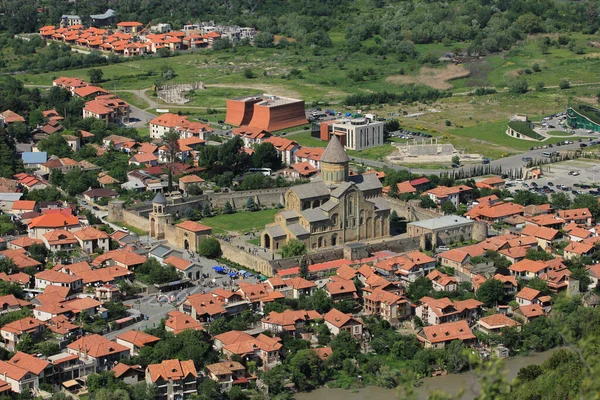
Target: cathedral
x,y
333,210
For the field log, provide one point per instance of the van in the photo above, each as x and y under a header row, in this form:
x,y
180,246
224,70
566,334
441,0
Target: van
x,y
546,154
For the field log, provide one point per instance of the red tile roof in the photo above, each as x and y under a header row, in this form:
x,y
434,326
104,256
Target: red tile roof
x,y
96,346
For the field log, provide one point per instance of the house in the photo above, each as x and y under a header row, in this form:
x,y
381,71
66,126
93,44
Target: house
x,y
135,340
300,287
93,195
527,296
130,374
442,194
13,332
389,306
442,282
206,307
178,322
50,277
494,182
59,240
162,124
228,373
17,379
9,117
9,303
438,336
20,207
528,313
494,212
189,269
173,379
45,223
190,234
144,159
340,289
120,258
580,216
528,269
493,324
91,239
290,321
240,344
338,321
32,364
546,237
99,350
63,165
437,311
594,273
285,148
408,267
189,180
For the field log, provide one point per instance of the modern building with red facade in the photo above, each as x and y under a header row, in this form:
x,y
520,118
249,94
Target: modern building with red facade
x,y
267,112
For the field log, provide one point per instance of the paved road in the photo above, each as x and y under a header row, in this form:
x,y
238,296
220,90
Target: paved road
x,y
506,163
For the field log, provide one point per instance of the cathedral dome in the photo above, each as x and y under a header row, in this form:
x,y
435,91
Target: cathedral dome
x,y
334,153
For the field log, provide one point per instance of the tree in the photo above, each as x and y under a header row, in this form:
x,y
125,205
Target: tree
x,y
194,190
455,160
564,84
265,156
36,118
293,248
420,288
304,272
55,145
538,284
206,211
248,73
538,255
456,358
393,192
344,346
539,86
491,292
210,248
426,202
251,205
38,252
95,75
560,201
448,207
172,145
227,209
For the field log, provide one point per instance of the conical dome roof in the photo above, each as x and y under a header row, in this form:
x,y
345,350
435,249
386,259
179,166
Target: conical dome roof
x,y
335,153
159,199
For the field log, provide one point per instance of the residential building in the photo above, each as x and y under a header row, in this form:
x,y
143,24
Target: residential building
x,y
389,306
493,324
50,277
442,282
528,269
338,321
173,379
240,344
102,352
91,239
442,230
134,340
442,194
13,332
438,311
228,373
290,321
178,322
438,336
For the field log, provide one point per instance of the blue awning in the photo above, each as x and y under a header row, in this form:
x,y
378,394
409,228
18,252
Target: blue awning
x,y
218,269
232,274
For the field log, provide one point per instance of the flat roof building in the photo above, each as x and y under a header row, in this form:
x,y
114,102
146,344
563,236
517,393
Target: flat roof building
x,y
354,134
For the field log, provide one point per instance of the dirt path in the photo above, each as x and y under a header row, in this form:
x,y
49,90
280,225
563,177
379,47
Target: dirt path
x,y
265,88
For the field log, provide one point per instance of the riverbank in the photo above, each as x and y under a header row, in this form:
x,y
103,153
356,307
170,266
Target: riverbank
x,y
451,384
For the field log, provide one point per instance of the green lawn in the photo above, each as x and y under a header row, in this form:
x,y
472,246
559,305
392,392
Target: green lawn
x,y
305,139
524,129
242,221
131,228
378,153
134,100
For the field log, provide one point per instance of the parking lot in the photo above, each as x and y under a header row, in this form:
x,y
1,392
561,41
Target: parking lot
x,y
558,122
571,177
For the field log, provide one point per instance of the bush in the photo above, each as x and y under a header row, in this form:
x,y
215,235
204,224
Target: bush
x,y
564,84
518,86
536,67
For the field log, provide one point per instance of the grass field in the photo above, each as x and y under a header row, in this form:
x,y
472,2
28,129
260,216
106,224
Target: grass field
x,y
242,221
134,100
305,139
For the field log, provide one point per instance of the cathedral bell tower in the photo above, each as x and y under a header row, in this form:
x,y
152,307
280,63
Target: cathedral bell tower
x,y
334,163
158,217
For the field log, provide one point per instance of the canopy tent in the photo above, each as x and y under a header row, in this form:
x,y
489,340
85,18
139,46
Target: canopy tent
x,y
218,269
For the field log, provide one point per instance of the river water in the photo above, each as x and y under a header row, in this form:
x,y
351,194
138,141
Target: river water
x,y
450,384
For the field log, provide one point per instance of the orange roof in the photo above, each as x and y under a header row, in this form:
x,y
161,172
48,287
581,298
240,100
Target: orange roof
x,y
120,369
96,346
91,233
60,237
172,370
506,279
528,266
337,318
341,286
53,221
127,258
304,168
194,226
178,263
347,272
281,144
23,325
28,205
82,304
169,120
541,232
10,117
89,90
494,180
29,362
12,371
20,277
456,255
10,300
25,242
577,213
458,330
56,277
528,293
144,158
579,248
299,283
191,179
178,322
497,321
129,24
137,338
288,318
531,310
